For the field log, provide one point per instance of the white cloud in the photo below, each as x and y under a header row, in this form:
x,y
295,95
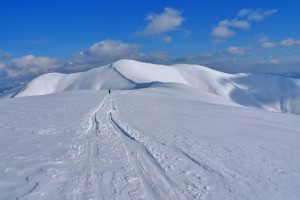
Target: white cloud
x,y
242,24
98,54
31,65
161,24
221,55
227,28
263,41
290,42
169,20
234,50
220,33
108,51
224,29
244,12
259,15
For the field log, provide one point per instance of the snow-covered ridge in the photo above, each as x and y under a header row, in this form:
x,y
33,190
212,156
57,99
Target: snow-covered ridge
x,y
123,74
261,91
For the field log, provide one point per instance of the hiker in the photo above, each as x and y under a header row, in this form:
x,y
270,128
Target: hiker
x,y
108,91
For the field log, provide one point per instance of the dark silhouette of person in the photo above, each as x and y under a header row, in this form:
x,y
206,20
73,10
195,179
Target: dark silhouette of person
x,y
108,91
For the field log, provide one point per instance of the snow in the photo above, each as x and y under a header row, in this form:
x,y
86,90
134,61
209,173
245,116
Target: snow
x,y
35,136
168,141
165,132
146,73
268,92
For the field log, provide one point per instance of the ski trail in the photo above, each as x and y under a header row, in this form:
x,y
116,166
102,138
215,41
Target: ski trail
x,y
153,176
185,176
156,162
86,184
104,170
114,162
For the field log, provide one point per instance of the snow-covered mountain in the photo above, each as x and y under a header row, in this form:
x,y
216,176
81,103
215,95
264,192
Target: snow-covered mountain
x,y
169,132
270,92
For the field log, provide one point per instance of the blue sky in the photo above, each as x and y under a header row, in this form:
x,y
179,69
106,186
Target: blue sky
x,y
39,36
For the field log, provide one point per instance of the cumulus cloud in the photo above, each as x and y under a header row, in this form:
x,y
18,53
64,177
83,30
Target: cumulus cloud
x,y
169,20
160,24
98,54
220,33
290,42
30,65
264,42
227,28
105,51
227,53
108,51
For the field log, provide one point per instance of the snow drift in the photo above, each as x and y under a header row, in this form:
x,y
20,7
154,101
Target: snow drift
x,y
270,92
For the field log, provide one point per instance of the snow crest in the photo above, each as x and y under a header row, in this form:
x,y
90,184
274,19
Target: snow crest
x,y
270,92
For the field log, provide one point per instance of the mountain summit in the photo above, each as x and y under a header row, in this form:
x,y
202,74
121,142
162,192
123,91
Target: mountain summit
x,y
270,92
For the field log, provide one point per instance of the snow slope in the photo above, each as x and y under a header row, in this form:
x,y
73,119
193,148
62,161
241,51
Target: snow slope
x,y
123,74
173,142
274,93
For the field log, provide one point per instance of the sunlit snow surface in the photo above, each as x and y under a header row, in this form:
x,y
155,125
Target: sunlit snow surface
x,y
155,143
268,92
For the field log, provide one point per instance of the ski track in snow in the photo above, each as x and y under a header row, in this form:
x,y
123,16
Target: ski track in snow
x,y
115,162
121,153
104,169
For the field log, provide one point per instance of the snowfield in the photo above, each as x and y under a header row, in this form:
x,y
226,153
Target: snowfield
x,y
157,143
166,132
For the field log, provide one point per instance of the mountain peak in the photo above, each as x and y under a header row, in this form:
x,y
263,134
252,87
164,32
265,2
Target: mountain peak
x,y
252,90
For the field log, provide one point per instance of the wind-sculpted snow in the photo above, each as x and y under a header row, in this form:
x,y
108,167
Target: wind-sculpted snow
x,y
237,153
156,143
36,133
274,93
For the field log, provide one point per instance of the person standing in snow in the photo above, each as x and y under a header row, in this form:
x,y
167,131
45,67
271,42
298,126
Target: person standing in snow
x,y
108,91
